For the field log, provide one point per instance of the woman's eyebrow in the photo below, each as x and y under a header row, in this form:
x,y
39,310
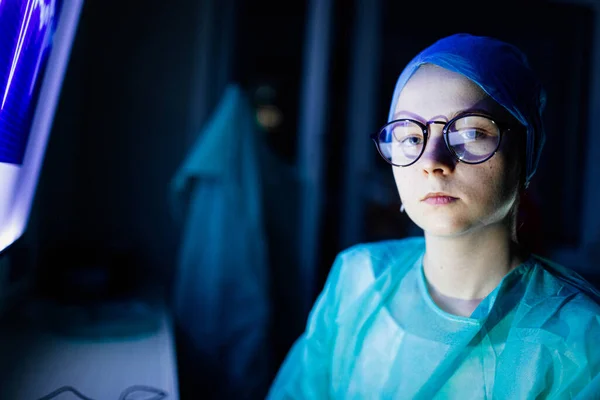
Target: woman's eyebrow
x,y
469,111
408,114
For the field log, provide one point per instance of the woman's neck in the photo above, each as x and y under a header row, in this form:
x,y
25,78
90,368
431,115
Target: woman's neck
x,y
471,265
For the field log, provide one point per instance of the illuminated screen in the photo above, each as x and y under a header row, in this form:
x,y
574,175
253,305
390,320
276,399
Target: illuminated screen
x,y
34,47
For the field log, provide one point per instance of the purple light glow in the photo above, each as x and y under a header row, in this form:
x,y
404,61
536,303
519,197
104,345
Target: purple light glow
x,y
26,30
35,42
45,15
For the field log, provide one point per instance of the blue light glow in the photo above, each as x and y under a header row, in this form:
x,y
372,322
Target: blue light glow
x,y
25,31
34,48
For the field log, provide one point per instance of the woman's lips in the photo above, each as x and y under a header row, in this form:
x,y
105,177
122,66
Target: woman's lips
x,y
439,200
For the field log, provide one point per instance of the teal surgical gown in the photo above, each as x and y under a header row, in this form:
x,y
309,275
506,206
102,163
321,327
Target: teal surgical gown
x,y
375,333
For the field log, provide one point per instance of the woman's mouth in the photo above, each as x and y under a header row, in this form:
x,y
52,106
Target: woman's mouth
x,y
438,199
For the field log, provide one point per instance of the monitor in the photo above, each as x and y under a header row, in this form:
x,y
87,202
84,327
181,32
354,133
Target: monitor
x,y
36,37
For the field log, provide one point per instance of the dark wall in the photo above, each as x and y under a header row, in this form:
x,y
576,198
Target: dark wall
x,y
119,134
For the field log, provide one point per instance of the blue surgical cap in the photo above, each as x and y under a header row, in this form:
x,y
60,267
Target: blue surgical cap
x,y
501,70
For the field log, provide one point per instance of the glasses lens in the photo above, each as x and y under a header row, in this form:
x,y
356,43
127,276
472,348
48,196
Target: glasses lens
x,y
401,142
473,138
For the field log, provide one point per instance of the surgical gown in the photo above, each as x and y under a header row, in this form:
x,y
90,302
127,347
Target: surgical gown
x,y
375,333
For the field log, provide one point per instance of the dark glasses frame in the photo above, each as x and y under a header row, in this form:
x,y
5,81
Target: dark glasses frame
x,y
502,128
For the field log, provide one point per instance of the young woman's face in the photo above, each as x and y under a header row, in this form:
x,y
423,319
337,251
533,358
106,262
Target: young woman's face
x,y
486,192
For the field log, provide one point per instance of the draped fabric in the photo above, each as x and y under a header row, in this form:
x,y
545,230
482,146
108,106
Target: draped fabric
x,y
221,292
376,333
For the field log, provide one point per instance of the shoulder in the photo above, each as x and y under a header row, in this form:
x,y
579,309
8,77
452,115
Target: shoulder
x,y
380,255
358,267
559,301
559,282
562,313
383,249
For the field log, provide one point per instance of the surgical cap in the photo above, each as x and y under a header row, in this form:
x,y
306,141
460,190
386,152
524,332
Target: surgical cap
x,y
501,70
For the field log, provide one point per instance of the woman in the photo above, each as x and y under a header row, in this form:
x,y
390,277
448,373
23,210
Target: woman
x,y
464,312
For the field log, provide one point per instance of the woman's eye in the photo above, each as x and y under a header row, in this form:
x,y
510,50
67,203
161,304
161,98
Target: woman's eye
x,y
471,134
411,141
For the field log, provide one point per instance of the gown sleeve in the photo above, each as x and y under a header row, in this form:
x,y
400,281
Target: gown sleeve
x,y
582,381
306,370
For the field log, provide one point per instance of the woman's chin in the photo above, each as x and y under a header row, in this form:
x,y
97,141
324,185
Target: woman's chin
x,y
446,227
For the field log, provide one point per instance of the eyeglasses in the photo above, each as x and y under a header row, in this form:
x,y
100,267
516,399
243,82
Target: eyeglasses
x,y
471,138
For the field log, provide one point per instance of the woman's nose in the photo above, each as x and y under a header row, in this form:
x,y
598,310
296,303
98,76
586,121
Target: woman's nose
x,y
436,158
